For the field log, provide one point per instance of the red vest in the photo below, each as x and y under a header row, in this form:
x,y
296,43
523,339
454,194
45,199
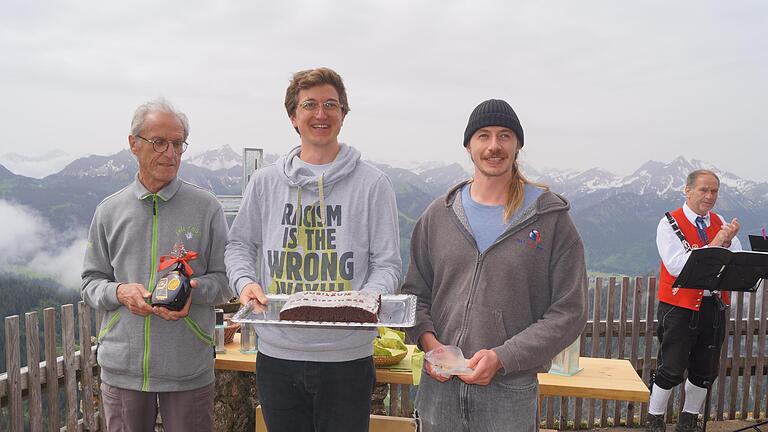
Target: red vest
x,y
688,298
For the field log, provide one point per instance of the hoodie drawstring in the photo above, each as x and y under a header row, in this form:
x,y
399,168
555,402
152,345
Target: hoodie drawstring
x,y
323,210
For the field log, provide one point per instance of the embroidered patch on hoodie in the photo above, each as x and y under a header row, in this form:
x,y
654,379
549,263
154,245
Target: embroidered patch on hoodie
x,y
189,232
533,240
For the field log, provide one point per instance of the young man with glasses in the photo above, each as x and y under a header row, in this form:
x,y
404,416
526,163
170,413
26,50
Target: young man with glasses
x,y
319,219
153,354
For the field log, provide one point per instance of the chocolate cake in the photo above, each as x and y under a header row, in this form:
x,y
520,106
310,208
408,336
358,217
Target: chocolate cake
x,y
344,306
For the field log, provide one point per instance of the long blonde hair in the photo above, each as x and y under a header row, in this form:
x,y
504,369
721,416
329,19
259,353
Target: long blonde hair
x,y
516,191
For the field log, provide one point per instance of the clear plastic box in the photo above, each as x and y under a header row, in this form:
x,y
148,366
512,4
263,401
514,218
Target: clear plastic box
x,y
567,362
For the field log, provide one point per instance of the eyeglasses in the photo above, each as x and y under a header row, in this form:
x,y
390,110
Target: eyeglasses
x,y
160,145
330,107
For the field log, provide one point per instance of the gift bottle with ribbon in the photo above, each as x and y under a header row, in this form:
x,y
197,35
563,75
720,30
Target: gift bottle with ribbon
x,y
173,288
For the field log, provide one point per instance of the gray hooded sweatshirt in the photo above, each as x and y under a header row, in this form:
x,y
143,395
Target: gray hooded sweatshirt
x,y
296,231
130,230
525,297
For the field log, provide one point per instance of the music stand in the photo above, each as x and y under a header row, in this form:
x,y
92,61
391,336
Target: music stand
x,y
719,269
758,243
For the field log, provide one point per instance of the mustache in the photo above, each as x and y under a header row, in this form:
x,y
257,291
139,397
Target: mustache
x,y
495,153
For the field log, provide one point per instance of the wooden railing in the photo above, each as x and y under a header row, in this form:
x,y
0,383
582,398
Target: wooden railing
x,y
625,328
621,328
74,373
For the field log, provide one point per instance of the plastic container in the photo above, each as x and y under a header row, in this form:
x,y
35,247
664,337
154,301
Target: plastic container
x,y
448,360
567,362
249,340
218,331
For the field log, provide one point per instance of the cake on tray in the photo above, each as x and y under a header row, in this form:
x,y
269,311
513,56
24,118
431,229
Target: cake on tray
x,y
331,306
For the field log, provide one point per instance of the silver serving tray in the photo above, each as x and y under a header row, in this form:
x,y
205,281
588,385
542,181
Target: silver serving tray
x,y
397,310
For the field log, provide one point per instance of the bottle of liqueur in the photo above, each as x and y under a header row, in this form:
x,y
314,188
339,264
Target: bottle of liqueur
x,y
173,288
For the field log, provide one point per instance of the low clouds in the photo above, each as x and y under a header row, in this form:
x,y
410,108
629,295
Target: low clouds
x,y
35,166
29,243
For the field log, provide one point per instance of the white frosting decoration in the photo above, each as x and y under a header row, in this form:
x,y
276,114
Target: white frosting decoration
x,y
333,299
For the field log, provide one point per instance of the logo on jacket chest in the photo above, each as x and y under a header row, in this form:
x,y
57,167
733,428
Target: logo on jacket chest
x,y
532,241
188,232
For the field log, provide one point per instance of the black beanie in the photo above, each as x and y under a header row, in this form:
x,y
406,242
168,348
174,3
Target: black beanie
x,y
493,112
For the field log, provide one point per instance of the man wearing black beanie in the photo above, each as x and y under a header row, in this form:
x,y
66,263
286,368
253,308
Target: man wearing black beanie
x,y
493,112
498,269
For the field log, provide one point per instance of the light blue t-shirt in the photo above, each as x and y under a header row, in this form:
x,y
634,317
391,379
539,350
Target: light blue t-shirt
x,y
487,222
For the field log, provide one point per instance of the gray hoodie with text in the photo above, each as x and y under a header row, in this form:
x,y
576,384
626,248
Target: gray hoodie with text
x,y
296,231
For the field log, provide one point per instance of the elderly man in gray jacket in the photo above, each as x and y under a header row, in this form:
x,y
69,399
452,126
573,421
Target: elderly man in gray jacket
x,y
498,269
151,353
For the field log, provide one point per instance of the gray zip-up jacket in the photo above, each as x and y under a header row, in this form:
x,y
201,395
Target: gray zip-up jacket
x,y
130,230
296,231
525,297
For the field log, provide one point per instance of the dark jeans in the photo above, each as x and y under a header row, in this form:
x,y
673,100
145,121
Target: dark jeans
x,y
304,396
689,340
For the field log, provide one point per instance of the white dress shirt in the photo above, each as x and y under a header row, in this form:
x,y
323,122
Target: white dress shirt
x,y
671,249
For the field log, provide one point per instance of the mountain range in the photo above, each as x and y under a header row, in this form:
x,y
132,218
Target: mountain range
x,y
616,216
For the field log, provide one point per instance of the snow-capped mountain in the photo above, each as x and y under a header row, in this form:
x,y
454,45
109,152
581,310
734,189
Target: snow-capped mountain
x,y
36,166
222,158
576,183
414,166
657,178
616,216
101,166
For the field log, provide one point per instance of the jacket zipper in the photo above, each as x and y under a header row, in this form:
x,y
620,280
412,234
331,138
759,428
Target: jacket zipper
x,y
478,262
472,289
473,285
150,288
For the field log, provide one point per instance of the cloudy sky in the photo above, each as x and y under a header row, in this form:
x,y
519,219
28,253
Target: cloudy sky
x,y
595,83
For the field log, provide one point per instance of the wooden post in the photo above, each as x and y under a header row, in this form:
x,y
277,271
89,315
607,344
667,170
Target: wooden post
x,y
405,400
51,369
13,364
622,336
99,319
635,340
650,308
748,359
719,415
70,368
608,341
86,375
736,355
595,341
33,372
394,400
760,355
550,412
579,402
563,412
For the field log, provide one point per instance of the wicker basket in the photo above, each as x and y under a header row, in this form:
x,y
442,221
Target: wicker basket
x,y
388,360
229,332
